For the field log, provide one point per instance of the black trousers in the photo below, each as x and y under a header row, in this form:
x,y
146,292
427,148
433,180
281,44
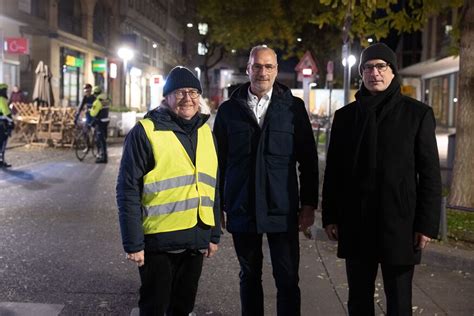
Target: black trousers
x,y
285,256
101,139
169,283
397,280
3,144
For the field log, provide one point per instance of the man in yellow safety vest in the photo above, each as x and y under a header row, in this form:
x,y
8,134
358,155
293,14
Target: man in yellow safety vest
x,y
167,197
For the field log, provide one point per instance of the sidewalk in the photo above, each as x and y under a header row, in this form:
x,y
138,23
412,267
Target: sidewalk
x,y
442,284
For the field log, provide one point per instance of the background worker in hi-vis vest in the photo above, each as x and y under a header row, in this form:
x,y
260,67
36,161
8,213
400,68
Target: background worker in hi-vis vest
x,y
167,197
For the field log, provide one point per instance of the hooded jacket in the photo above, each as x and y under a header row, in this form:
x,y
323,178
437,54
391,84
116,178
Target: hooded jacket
x,y
138,160
259,181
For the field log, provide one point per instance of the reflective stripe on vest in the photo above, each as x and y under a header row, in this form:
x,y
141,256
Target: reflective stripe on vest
x,y
175,192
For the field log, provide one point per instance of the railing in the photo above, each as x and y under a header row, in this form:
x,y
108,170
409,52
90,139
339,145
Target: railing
x,y
443,225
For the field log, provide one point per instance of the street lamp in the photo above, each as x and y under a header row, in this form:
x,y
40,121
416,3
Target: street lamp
x,y
126,54
351,60
198,72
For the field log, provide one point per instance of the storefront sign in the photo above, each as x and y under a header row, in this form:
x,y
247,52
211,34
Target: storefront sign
x,y
98,65
16,45
113,70
74,61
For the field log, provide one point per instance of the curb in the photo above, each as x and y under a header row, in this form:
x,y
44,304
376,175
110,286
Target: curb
x,y
448,257
434,255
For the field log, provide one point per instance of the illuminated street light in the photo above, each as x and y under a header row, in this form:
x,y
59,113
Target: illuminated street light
x,y
370,40
299,39
347,76
125,53
198,72
352,61
190,25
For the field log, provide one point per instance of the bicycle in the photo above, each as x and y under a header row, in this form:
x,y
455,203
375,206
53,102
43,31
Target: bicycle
x,y
84,141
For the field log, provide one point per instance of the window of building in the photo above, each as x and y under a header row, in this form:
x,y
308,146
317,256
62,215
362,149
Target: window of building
x,y
203,28
443,32
70,16
202,49
39,8
442,93
101,24
10,74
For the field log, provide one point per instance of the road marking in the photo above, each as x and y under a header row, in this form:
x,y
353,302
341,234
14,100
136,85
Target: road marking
x,y
29,309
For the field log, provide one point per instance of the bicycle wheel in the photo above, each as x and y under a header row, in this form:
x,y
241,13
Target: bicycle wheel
x,y
81,146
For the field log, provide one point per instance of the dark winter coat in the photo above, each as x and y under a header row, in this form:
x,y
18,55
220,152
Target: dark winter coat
x,y
259,183
406,196
138,160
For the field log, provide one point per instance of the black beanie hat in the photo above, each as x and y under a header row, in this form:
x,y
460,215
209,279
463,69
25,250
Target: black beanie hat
x,y
181,77
379,51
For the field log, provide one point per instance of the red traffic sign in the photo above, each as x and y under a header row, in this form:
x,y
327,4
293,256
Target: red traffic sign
x,y
16,45
307,61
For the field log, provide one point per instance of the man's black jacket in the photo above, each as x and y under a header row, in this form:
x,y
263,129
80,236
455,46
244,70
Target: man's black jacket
x,y
259,182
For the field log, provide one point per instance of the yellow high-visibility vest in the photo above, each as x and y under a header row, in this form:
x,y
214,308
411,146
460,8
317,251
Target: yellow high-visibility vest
x,y
175,192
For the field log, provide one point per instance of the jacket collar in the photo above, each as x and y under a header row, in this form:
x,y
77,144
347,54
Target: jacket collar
x,y
281,98
164,120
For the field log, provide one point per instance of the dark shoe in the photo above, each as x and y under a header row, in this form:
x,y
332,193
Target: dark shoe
x,y
4,164
100,160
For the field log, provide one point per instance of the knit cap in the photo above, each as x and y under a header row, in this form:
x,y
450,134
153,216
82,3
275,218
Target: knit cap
x,y
379,51
181,77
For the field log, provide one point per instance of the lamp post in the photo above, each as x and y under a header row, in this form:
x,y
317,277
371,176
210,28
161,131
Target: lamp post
x,y
126,54
347,63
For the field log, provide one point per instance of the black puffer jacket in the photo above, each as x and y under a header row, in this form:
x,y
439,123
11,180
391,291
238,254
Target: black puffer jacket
x,y
137,160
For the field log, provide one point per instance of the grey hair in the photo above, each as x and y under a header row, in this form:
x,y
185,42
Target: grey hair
x,y
258,48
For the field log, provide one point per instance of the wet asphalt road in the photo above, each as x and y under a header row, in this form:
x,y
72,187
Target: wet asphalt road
x,y
59,237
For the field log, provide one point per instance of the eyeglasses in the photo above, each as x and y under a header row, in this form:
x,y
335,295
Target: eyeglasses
x,y
381,67
268,67
180,94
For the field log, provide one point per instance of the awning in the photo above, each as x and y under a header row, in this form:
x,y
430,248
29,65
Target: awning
x,y
432,68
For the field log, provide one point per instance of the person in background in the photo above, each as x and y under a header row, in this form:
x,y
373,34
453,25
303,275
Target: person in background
x,y
262,133
99,114
17,96
86,103
6,124
167,197
382,185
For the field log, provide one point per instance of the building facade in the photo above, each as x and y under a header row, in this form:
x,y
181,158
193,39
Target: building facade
x,y
433,79
79,41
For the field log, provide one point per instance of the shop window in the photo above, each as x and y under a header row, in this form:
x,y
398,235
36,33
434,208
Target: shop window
x,y
72,74
10,74
440,94
69,16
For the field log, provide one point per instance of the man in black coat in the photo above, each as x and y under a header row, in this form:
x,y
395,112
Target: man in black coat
x,y
262,131
382,185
